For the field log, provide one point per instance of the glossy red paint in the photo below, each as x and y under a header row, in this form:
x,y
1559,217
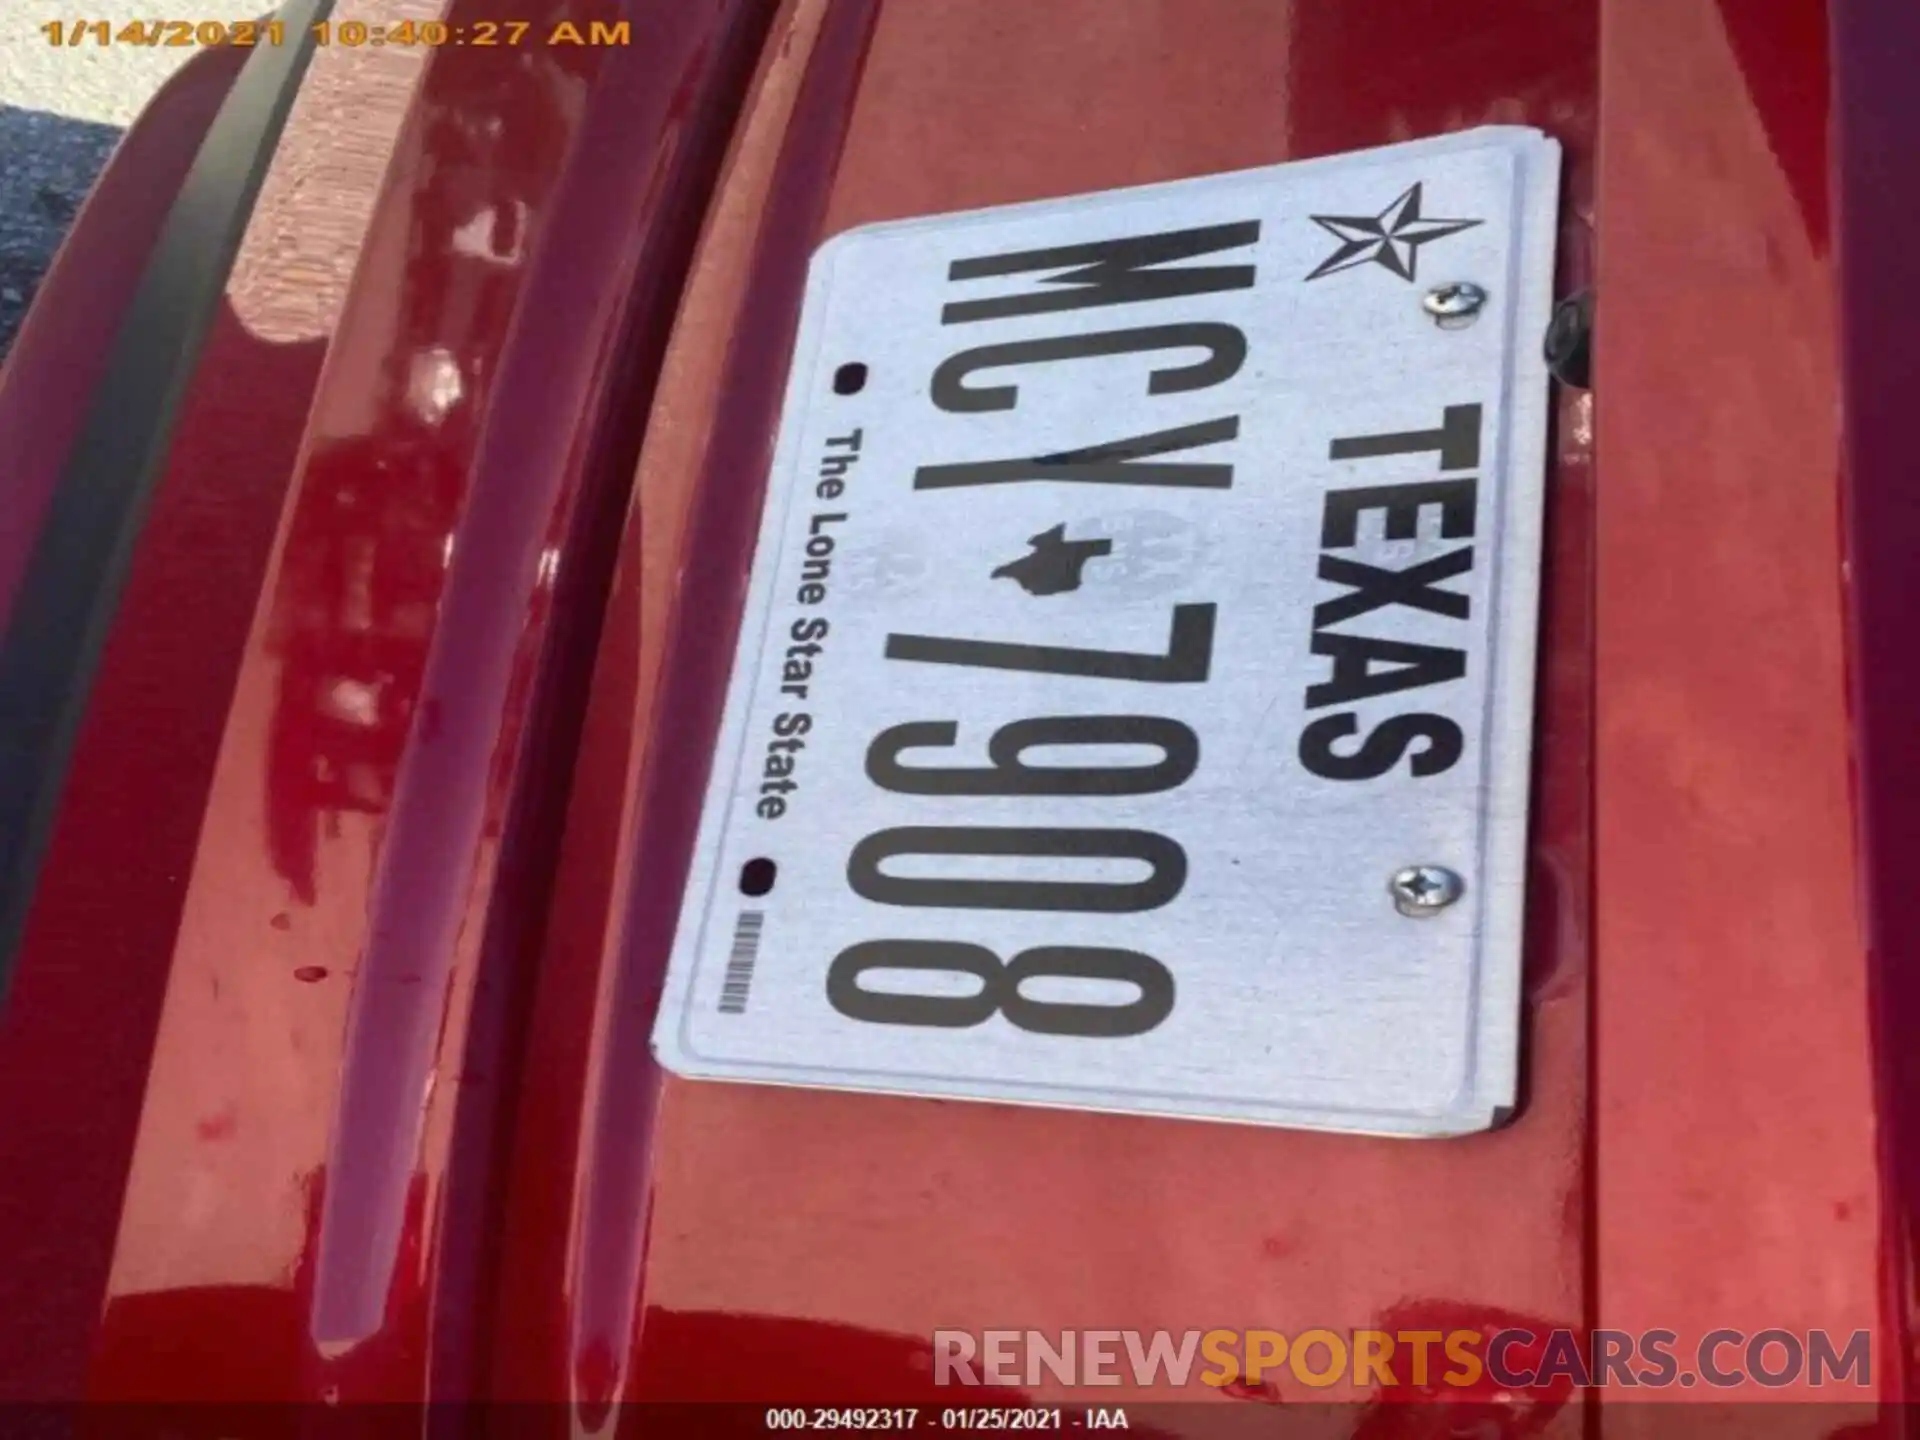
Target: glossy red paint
x,y
372,912
370,870
825,1236
594,1130
78,1020
1736,1161
1877,152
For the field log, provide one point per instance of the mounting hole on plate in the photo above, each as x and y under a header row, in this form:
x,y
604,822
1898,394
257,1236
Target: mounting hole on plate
x,y
850,379
757,876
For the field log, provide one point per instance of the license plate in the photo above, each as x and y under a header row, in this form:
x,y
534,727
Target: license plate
x,y
1134,696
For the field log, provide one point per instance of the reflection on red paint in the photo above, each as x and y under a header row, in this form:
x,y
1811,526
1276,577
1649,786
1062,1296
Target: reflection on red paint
x,y
1409,1411
403,721
234,1344
218,1127
365,561
694,1356
1261,1391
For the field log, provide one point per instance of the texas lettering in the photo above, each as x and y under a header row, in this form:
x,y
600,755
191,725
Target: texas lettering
x,y
1352,626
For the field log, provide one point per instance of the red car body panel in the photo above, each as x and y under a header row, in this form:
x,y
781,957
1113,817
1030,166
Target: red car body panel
x,y
77,1027
1877,144
376,1117
900,1215
1735,1157
413,500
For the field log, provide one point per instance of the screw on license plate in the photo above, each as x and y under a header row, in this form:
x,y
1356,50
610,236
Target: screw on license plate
x,y
1569,344
1454,304
1423,890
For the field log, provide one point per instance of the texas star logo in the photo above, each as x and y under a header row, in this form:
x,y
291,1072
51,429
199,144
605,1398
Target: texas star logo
x,y
1391,239
1055,564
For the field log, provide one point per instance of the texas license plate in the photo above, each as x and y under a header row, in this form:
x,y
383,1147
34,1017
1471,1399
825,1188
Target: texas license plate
x,y
1133,701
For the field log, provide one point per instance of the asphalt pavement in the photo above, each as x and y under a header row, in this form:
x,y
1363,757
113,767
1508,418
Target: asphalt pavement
x,y
62,110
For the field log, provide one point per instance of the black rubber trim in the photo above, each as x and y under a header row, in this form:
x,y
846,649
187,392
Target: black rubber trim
x,y
71,590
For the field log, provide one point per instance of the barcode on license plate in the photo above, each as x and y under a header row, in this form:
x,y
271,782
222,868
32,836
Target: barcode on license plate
x,y
746,949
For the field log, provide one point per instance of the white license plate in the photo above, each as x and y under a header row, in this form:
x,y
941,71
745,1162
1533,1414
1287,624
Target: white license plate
x,y
1146,579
